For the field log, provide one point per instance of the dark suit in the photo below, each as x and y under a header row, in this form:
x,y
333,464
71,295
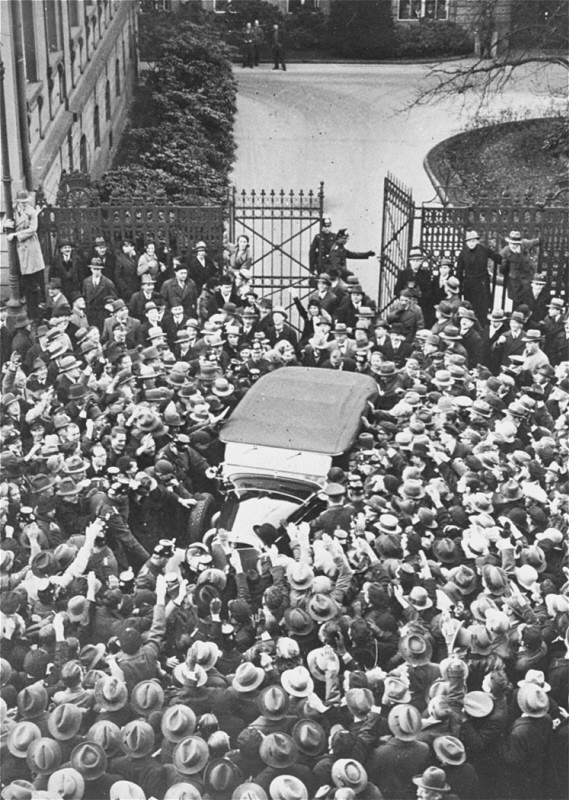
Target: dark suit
x,y
5,344
137,305
171,327
70,273
132,327
201,273
95,299
56,304
472,273
180,295
511,347
490,355
126,277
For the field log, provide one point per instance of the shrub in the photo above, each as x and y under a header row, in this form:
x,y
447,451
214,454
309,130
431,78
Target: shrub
x,y
185,146
361,30
431,38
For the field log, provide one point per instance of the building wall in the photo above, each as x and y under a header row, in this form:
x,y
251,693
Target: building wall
x,y
80,62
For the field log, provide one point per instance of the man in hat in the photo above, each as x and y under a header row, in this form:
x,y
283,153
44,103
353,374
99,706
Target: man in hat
x,y
539,300
21,340
56,300
533,354
30,257
472,274
407,313
174,321
126,277
147,294
339,254
324,296
120,315
280,330
67,267
496,327
96,290
102,251
5,335
511,343
414,276
471,339
338,513
319,255
554,332
518,267
180,290
201,267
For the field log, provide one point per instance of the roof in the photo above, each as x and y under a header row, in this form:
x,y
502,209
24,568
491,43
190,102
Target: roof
x,y
302,408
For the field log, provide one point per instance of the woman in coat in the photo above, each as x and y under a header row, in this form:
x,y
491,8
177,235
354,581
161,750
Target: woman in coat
x,y
30,256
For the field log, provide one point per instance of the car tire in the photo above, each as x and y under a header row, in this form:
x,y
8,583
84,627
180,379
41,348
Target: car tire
x,y
200,517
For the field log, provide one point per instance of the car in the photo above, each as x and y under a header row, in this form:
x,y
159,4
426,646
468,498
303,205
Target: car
x,y
291,427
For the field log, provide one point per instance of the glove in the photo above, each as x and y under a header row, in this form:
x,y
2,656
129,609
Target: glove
x,y
370,253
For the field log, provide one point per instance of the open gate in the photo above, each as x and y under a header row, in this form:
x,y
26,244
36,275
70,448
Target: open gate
x,y
280,227
396,237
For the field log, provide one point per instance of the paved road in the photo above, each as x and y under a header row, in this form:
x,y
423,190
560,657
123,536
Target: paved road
x,y
342,123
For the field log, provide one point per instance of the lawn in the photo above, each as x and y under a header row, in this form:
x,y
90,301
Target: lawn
x,y
521,158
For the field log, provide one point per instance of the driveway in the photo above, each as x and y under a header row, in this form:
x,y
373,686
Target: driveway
x,y
343,124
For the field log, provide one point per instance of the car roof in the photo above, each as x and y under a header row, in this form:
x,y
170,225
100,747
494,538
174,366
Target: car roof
x,y
302,408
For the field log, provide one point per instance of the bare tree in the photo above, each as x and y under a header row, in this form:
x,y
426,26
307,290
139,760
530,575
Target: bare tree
x,y
508,36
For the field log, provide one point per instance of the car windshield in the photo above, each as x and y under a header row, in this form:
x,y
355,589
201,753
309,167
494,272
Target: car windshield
x,y
254,485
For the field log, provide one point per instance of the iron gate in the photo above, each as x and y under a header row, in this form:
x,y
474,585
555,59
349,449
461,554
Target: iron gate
x,y
396,237
280,227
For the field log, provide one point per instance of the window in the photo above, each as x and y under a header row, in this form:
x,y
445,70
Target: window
x,y
40,116
83,157
303,5
107,101
117,77
96,127
410,10
29,41
70,151
72,5
52,10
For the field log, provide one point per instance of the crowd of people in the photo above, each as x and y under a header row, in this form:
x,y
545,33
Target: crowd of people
x,y
409,641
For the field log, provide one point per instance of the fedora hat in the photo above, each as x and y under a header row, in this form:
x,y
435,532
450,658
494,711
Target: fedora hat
x,y
495,579
65,721
322,608
146,697
299,575
310,737
433,779
449,750
415,648
298,622
472,236
32,701
412,489
21,736
273,702
44,756
451,333
359,701
533,700
183,791
317,661
557,303
515,237
288,787
395,691
111,693
137,739
481,640
532,336
90,760
107,735
404,722
67,783
190,755
297,682
206,653
446,551
221,776
537,678
126,790
249,791
278,750
195,677
247,677
178,722
349,773
478,704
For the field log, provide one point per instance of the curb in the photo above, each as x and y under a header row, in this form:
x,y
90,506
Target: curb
x,y
350,61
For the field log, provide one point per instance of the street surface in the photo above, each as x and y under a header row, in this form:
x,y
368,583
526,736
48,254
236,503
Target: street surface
x,y
342,124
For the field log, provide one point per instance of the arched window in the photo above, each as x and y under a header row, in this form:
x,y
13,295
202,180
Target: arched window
x,y
52,10
70,151
107,101
96,127
29,41
40,116
117,77
83,157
